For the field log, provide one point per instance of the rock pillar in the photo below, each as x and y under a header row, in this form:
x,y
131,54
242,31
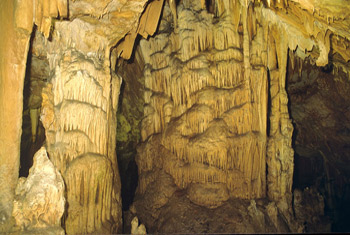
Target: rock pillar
x,y
14,44
79,115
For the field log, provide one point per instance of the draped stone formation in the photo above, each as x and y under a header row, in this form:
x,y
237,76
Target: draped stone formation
x,y
79,108
79,101
79,117
216,122
201,92
216,114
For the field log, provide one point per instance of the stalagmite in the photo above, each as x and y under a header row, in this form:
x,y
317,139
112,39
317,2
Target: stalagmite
x,y
280,153
34,116
39,201
136,228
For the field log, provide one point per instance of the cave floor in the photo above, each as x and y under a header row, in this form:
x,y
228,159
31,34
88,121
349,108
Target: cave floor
x,y
180,215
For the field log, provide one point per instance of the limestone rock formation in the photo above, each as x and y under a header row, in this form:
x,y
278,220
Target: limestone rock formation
x,y
217,131
80,104
136,228
39,199
80,98
197,116
216,116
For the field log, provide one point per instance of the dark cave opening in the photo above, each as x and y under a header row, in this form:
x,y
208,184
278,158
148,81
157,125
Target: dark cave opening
x,y
316,96
126,151
32,137
268,124
26,160
129,115
210,5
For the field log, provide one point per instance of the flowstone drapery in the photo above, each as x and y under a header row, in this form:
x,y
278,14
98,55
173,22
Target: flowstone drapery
x,y
78,113
81,140
216,118
216,104
80,104
216,123
206,106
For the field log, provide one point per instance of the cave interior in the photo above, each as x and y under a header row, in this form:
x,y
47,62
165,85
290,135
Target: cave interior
x,y
211,116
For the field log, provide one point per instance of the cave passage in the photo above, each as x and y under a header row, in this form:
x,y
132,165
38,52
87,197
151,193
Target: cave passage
x,y
33,132
126,151
129,115
320,139
26,155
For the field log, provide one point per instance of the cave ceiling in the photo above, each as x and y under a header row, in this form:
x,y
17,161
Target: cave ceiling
x,y
317,28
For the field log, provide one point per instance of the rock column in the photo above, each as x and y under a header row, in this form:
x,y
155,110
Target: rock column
x,y
14,45
280,153
79,115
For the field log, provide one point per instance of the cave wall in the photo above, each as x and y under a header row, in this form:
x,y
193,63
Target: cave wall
x,y
216,121
209,124
206,106
201,92
319,108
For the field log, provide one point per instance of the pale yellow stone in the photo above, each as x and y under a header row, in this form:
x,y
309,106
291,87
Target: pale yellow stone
x,y
39,199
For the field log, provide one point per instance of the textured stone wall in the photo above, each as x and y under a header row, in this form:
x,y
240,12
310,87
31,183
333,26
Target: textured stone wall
x,y
206,105
216,115
13,54
207,79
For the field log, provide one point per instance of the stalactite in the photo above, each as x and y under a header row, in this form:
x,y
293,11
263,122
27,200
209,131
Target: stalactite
x,y
209,138
251,21
216,72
